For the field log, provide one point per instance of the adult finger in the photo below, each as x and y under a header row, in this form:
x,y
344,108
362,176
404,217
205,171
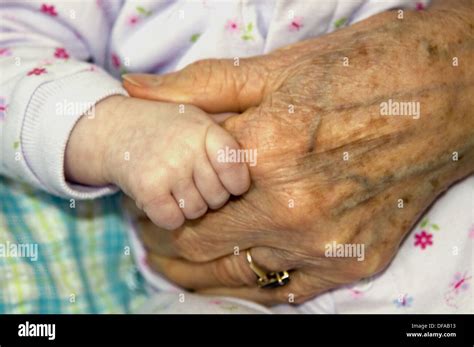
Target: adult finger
x,y
229,271
214,85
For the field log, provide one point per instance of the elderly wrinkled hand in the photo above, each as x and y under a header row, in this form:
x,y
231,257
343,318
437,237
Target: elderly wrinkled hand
x,y
332,167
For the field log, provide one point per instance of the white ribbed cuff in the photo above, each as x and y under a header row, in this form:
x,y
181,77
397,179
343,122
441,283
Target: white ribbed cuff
x,y
54,109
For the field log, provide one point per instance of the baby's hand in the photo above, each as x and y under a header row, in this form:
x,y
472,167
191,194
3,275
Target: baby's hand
x,y
165,160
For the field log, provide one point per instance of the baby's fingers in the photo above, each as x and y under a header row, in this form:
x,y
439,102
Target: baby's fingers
x,y
164,212
188,198
228,160
209,185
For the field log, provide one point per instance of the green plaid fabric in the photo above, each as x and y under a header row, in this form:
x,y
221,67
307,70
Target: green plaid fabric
x,y
83,261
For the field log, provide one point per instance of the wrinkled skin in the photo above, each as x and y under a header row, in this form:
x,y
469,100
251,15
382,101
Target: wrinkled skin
x,y
300,154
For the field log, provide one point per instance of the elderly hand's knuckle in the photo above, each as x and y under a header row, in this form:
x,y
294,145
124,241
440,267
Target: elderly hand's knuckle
x,y
223,272
372,264
231,271
246,275
201,70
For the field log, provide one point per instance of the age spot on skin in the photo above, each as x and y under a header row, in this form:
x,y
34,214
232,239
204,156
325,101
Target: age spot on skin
x,y
432,50
362,51
406,199
434,182
428,49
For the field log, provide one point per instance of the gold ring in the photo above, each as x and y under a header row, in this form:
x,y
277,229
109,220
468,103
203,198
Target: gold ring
x,y
268,279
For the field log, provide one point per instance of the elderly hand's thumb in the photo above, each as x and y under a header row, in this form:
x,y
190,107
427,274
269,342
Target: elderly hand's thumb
x,y
215,85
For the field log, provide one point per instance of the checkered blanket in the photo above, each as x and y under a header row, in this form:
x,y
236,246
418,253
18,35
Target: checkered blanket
x,y
64,256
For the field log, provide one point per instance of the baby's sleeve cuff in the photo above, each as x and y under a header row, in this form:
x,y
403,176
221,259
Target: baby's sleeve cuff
x,y
52,112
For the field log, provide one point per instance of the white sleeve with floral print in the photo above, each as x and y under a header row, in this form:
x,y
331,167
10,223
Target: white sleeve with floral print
x,y
47,84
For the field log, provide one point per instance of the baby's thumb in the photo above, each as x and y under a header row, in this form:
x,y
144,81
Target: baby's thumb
x,y
214,85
